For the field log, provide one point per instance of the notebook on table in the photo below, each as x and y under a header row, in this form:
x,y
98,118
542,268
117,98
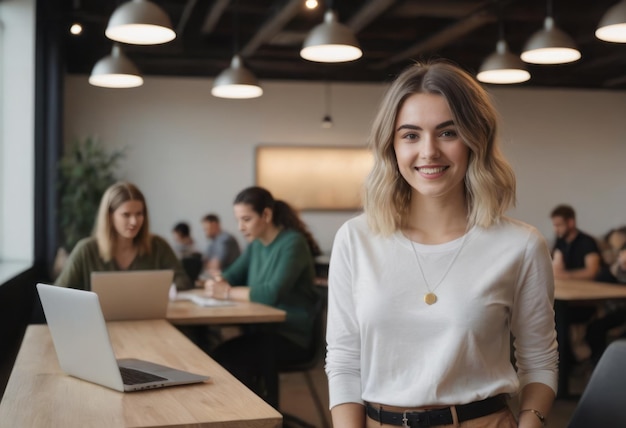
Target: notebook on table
x,y
133,294
84,349
202,300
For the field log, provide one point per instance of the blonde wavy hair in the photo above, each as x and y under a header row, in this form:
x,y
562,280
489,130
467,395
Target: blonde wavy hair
x,y
105,232
489,180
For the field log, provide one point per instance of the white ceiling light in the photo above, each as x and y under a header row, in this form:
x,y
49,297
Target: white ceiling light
x,y
236,82
311,4
76,28
140,22
612,27
115,71
331,41
503,67
550,45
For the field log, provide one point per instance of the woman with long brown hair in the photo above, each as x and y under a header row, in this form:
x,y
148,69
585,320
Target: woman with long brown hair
x,y
121,240
277,269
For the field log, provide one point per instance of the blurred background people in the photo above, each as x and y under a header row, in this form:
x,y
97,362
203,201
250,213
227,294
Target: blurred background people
x,y
614,241
612,323
575,254
121,240
222,249
184,245
277,269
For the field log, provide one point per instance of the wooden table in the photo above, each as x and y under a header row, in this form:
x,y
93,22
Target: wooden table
x,y
573,290
566,292
39,394
185,312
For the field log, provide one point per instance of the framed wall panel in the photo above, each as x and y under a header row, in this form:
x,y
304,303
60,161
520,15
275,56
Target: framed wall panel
x,y
314,177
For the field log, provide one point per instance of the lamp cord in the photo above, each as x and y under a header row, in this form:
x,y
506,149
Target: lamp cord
x,y
500,22
236,28
549,9
328,98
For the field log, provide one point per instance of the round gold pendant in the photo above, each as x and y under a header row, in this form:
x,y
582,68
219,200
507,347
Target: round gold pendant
x,y
430,298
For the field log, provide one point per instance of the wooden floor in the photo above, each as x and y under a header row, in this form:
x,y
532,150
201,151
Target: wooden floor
x,y
295,398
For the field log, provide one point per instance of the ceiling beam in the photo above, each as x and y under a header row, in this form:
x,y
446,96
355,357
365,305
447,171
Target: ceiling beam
x,y
368,13
214,15
272,26
616,81
184,19
440,39
446,9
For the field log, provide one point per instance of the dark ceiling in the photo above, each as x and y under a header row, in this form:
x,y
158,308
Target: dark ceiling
x,y
269,34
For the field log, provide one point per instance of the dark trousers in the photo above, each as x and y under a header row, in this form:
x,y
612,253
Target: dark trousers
x,y
597,331
255,359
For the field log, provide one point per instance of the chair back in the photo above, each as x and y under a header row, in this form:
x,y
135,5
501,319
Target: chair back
x,y
603,400
192,265
318,344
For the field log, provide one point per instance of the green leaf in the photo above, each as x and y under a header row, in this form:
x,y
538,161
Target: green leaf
x,y
85,171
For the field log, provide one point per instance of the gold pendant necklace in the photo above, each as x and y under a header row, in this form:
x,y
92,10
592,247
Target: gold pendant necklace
x,y
430,297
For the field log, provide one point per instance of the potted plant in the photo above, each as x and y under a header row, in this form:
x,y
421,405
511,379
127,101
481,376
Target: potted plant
x,y
85,171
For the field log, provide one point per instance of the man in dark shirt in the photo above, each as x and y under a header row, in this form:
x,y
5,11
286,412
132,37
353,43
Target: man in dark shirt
x,y
575,254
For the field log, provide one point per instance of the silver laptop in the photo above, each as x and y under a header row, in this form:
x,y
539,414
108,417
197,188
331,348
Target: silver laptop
x,y
134,294
84,349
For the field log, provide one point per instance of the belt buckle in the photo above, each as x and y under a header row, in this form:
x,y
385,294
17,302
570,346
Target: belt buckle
x,y
420,419
405,420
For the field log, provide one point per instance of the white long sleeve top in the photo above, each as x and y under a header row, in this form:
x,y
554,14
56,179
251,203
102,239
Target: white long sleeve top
x,y
385,345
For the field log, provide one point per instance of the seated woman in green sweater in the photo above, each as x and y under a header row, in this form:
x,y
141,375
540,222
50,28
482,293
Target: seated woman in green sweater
x,y
277,269
121,241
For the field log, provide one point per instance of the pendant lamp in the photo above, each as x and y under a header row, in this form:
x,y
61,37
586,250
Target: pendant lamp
x,y
115,71
140,22
502,67
550,45
236,82
331,41
612,27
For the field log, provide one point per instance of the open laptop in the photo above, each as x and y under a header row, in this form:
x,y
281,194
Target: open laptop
x,y
84,349
133,294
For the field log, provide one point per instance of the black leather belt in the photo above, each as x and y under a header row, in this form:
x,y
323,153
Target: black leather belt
x,y
433,418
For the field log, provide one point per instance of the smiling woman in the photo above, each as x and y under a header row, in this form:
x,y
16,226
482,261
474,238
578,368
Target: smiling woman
x,y
121,241
430,153
432,280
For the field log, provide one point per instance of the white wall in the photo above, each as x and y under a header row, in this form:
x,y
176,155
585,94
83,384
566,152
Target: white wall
x,y
191,153
567,147
17,130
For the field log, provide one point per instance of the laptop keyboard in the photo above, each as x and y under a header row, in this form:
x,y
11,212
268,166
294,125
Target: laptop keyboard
x,y
134,377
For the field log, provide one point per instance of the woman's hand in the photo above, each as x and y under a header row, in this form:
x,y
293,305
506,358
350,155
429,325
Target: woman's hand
x,y
217,288
621,259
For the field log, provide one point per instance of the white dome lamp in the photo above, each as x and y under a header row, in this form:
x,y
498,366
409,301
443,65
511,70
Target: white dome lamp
x,y
236,82
140,22
331,41
502,67
612,27
115,71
